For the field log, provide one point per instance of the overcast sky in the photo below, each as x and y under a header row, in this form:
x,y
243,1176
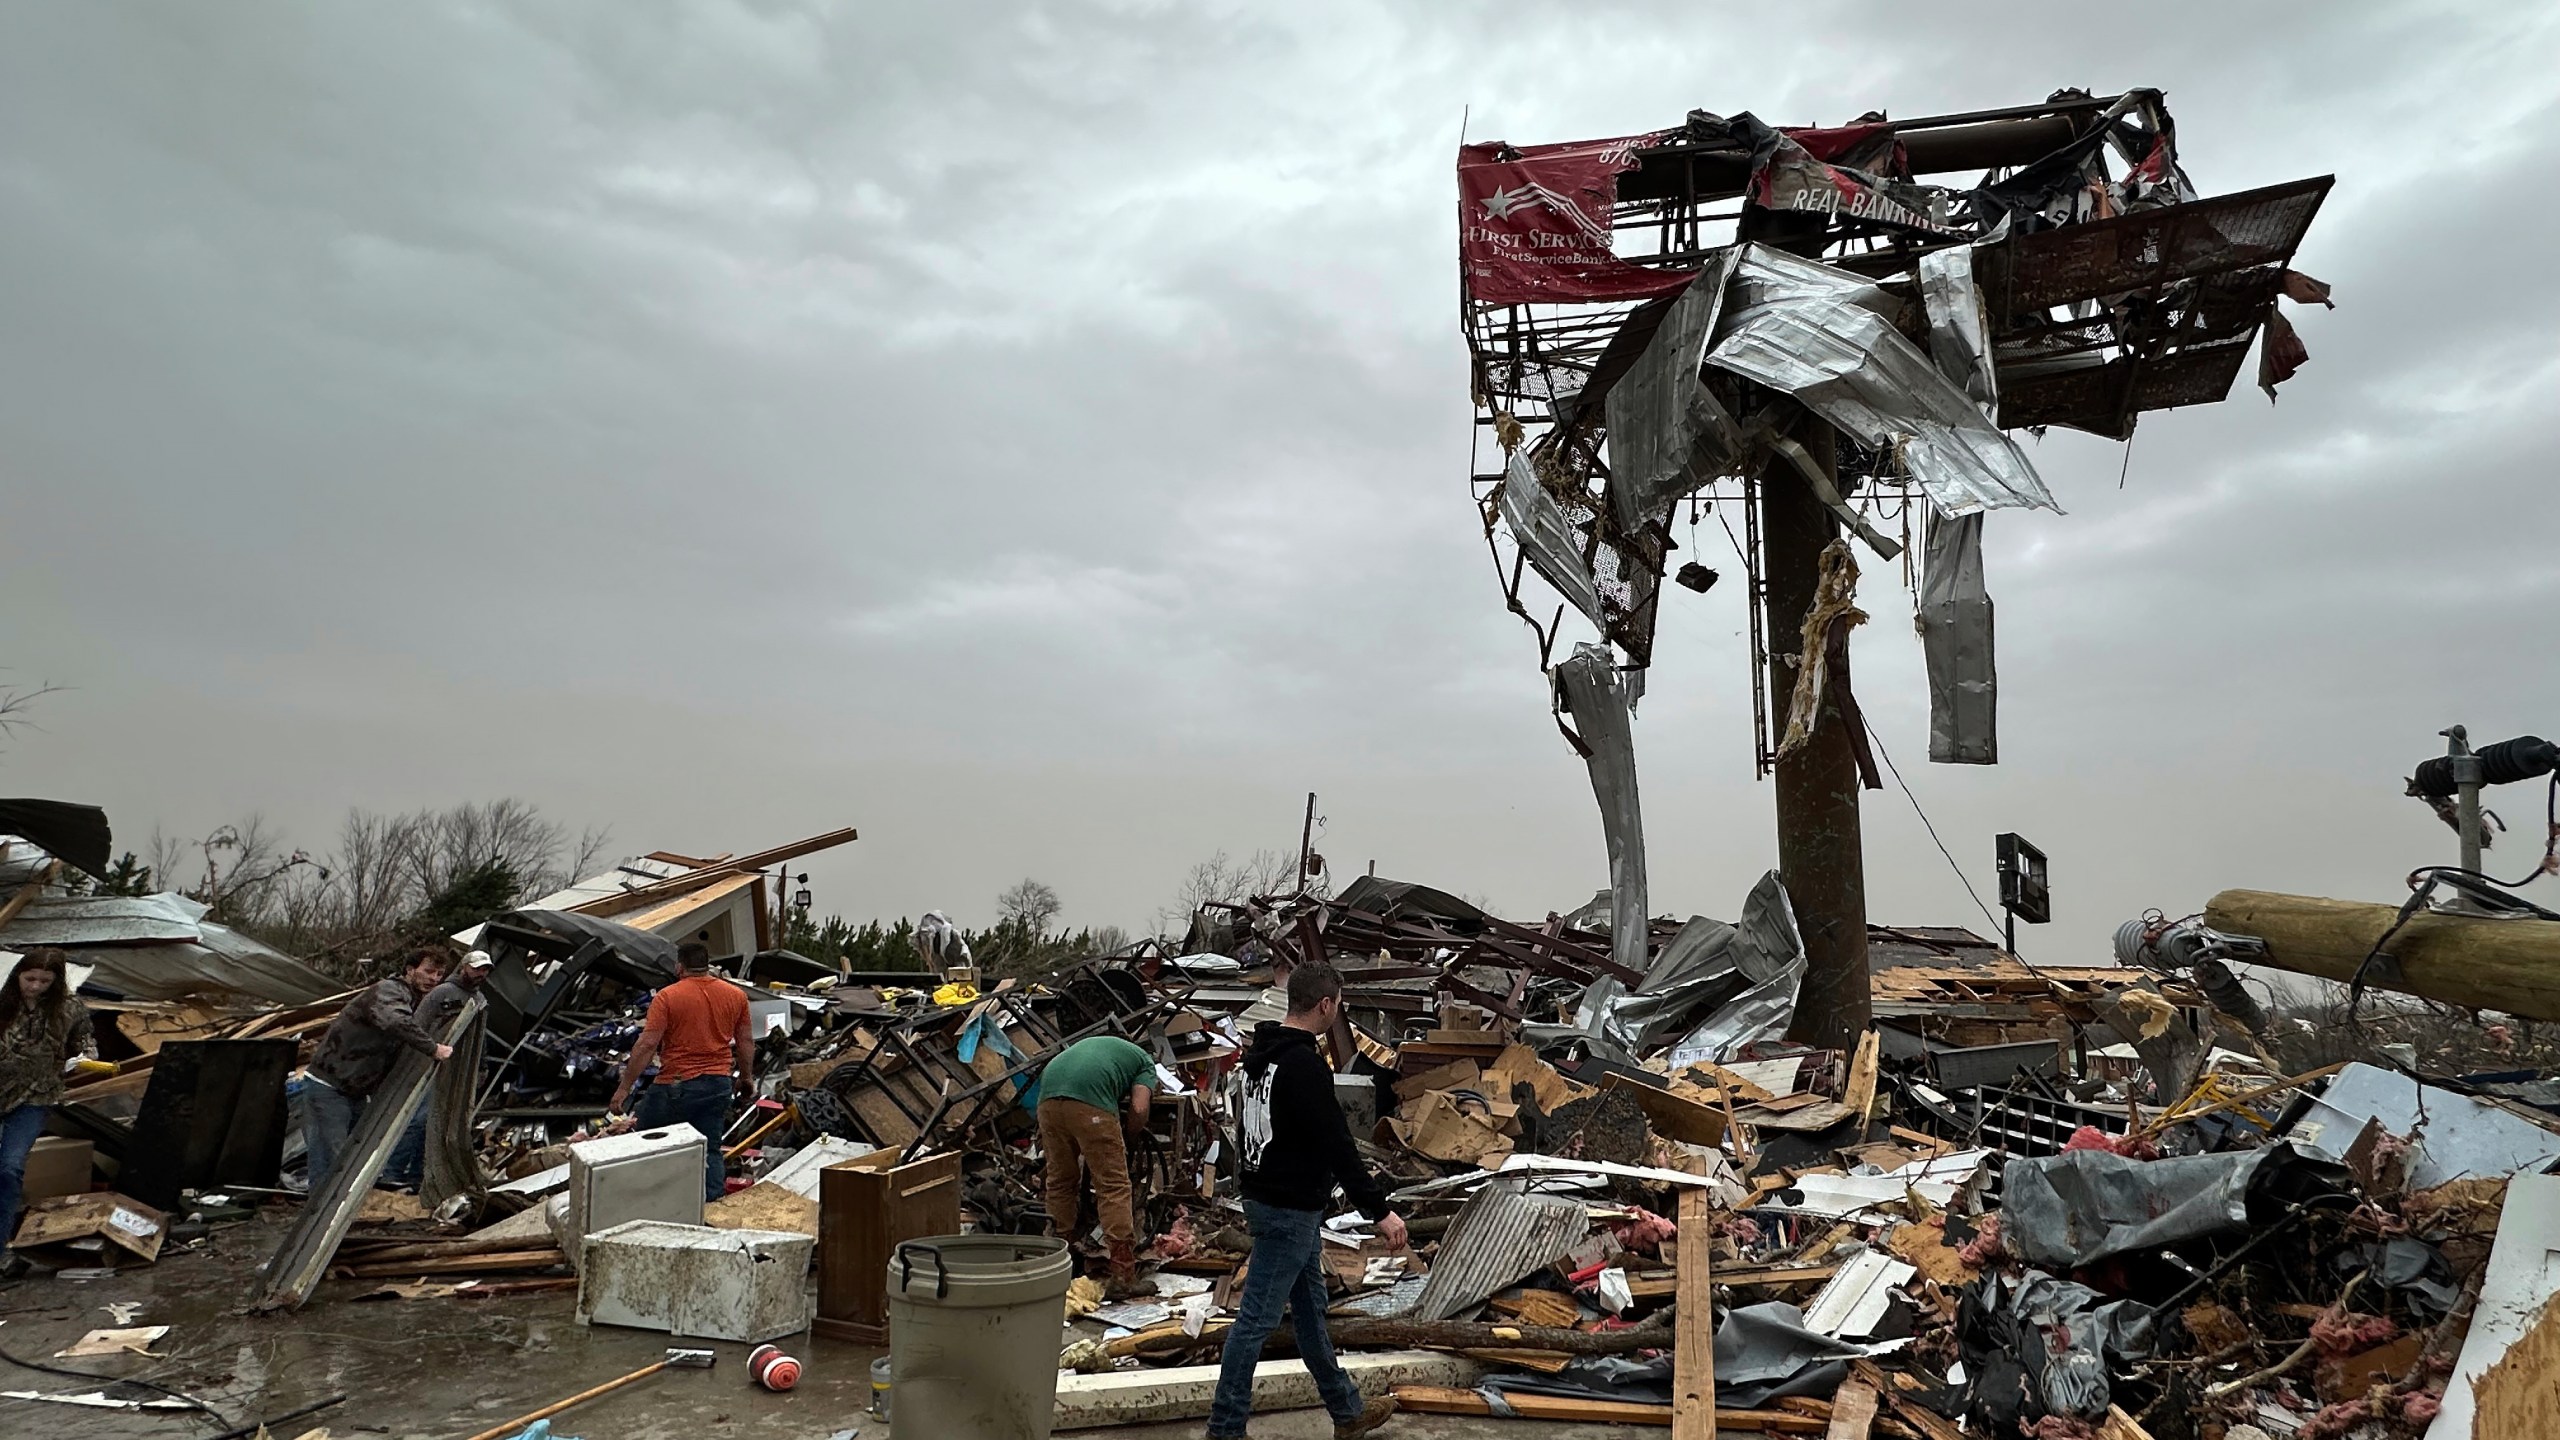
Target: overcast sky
x,y
1038,436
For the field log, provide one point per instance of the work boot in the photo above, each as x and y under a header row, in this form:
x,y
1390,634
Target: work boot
x,y
1370,1419
1127,1285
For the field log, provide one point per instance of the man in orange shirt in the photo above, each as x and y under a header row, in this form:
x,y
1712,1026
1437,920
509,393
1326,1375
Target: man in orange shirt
x,y
696,1028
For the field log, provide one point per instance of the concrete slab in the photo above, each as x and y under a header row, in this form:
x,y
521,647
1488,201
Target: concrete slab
x,y
1131,1397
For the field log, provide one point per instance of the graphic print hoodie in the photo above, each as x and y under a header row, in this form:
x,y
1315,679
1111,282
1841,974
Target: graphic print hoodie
x,y
1296,1144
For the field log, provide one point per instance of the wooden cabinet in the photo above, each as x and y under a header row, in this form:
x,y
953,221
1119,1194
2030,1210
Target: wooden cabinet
x,y
866,1207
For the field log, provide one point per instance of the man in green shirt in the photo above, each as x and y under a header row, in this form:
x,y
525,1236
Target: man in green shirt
x,y
1081,1092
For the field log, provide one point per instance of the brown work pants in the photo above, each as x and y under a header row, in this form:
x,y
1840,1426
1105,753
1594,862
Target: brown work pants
x,y
1071,1132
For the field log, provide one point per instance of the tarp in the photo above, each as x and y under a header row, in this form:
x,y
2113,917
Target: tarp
x,y
1533,223
78,835
2040,1345
654,954
2083,1206
1764,1351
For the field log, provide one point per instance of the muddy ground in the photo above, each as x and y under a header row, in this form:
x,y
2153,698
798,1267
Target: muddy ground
x,y
444,1369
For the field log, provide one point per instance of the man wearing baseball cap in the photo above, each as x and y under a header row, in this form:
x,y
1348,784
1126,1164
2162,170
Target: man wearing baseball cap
x,y
407,1166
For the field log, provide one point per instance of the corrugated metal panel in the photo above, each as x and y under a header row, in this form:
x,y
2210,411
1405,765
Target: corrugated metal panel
x,y
1500,1236
107,920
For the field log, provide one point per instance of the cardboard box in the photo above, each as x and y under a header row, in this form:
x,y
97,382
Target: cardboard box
x,y
77,1231
58,1167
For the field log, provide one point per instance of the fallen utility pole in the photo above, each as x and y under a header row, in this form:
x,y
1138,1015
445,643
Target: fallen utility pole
x,y
2480,963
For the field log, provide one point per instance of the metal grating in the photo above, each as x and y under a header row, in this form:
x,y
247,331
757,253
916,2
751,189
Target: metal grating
x,y
2145,250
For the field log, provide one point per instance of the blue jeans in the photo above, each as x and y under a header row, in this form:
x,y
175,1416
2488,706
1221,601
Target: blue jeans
x,y
701,1102
18,1131
408,1162
1287,1269
329,1116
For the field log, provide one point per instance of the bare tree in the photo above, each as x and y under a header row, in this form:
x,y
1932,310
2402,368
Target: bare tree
x,y
1029,905
1223,880
366,896
15,701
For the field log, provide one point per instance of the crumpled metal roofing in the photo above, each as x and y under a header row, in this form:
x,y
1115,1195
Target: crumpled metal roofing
x,y
1824,335
160,947
1539,528
1499,1236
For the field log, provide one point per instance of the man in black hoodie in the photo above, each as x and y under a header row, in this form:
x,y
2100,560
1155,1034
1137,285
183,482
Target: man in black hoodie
x,y
1296,1149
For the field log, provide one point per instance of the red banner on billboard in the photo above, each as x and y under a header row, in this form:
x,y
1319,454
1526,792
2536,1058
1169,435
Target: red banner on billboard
x,y
1533,224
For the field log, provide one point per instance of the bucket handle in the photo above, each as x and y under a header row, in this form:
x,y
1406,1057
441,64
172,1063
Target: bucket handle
x,y
907,1268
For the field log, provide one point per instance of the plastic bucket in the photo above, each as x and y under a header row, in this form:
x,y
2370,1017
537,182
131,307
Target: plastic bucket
x,y
974,1324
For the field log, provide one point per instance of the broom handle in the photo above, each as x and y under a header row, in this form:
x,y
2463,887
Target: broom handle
x,y
518,1423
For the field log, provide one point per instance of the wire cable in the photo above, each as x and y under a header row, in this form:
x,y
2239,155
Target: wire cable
x,y
1966,880
110,1382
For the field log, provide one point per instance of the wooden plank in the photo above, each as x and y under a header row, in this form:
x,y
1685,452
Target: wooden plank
x,y
1693,1355
457,1265
1853,1412
1860,1094
28,892
2121,1426
1676,1116
1442,1400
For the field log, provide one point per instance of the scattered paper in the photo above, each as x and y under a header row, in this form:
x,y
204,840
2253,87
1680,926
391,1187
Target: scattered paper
x,y
123,1312
135,1341
1196,1310
1137,1315
1174,1287
95,1400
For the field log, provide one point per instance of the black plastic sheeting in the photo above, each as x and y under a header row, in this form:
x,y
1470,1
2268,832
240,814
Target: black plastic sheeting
x,y
2041,1346
1762,1352
2083,1206
77,835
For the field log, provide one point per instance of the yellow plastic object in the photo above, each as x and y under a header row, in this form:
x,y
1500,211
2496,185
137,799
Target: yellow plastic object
x,y
95,1069
956,995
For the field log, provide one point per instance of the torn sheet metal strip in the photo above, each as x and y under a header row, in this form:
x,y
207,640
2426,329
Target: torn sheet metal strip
x,y
1956,642
1823,335
1853,1303
1667,433
1602,699
1959,334
1539,528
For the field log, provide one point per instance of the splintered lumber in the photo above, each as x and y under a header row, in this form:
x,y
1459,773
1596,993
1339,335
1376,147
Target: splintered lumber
x,y
1681,1117
1441,1400
1693,1356
1853,1411
2121,1426
1914,1416
2519,1397
1467,1335
435,1250
1860,1093
457,1265
2471,961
